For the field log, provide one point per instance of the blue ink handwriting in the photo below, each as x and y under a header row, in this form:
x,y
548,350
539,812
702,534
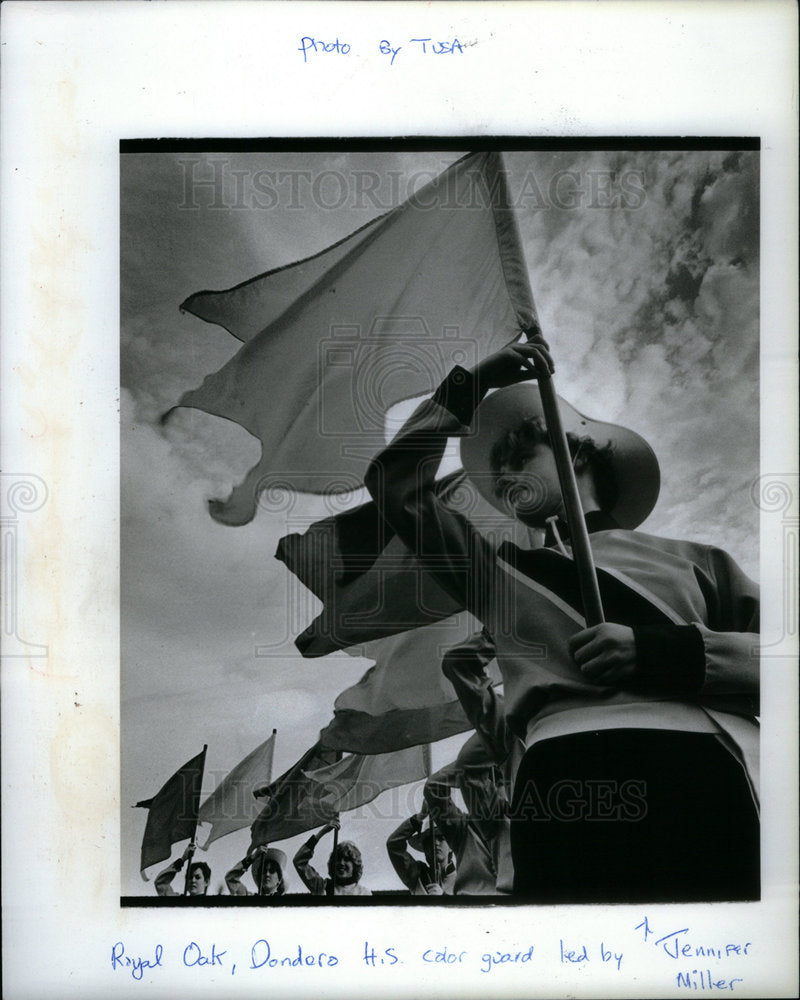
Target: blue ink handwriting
x,y
676,947
370,957
261,956
443,957
309,44
502,957
573,956
137,965
428,47
580,954
705,981
193,955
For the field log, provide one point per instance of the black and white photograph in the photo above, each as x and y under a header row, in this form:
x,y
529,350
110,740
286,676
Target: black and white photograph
x,y
398,499
351,568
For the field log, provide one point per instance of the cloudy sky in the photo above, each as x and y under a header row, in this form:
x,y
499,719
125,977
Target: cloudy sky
x,y
644,267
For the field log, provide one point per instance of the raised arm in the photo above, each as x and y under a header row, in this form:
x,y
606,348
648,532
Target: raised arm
x,y
451,820
164,878
408,868
465,667
311,878
233,878
401,478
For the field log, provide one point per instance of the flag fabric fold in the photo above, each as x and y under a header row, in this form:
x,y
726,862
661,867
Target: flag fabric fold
x,y
404,700
331,342
371,585
232,806
172,812
358,779
294,803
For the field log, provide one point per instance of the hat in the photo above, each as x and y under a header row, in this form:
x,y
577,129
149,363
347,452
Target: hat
x,y
632,460
419,841
271,854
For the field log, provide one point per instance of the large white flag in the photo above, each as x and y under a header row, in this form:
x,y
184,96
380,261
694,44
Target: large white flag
x,y
231,806
331,342
404,699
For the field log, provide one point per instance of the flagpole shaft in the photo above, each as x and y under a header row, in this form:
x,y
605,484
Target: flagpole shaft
x,y
434,862
579,535
332,883
269,782
196,821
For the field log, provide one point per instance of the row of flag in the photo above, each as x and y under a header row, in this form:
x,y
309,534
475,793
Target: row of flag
x,y
377,318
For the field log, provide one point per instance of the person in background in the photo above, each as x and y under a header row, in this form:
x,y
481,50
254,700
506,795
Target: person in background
x,y
437,876
494,757
474,836
268,870
345,867
199,876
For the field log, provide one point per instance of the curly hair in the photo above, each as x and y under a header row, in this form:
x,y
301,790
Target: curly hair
x,y
347,849
510,452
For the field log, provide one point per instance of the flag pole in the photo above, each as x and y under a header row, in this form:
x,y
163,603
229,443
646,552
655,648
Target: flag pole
x,y
332,882
269,782
426,758
517,272
195,806
578,532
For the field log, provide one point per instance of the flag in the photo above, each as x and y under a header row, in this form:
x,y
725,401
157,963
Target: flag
x,y
404,699
232,805
370,584
172,812
331,342
358,779
294,803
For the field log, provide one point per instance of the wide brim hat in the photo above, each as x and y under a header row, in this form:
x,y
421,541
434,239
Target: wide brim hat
x,y
419,841
272,854
632,460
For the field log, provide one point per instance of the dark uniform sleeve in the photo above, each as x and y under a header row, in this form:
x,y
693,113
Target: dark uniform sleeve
x,y
165,877
465,667
444,812
401,482
312,879
406,866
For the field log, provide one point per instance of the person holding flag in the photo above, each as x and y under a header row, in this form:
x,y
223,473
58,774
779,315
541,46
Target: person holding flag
x,y
198,877
436,877
639,779
269,872
345,867
491,758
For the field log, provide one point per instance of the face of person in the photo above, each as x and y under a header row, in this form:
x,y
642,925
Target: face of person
x,y
197,883
344,869
534,492
439,853
270,878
